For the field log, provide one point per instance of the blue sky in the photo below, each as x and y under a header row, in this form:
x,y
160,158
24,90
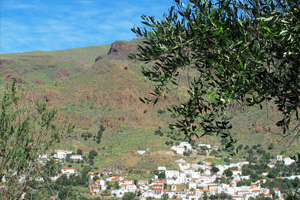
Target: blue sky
x,y
47,25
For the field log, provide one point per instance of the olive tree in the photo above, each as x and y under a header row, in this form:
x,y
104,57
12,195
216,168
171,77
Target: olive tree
x,y
26,131
230,51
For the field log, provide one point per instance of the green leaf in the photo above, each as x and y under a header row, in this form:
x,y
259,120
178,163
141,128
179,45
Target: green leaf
x,y
240,22
284,31
268,19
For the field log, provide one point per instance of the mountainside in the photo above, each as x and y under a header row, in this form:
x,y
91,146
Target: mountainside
x,y
100,85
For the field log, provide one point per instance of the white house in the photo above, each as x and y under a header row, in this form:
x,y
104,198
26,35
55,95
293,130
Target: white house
x,y
100,182
236,172
235,165
193,174
244,162
178,149
288,161
76,157
185,145
171,173
271,165
184,166
129,187
205,145
279,158
117,193
94,189
125,182
62,154
294,176
68,170
161,168
207,178
43,156
191,185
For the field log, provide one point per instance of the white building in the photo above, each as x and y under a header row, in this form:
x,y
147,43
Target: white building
x,y
178,149
175,177
76,157
279,158
68,170
205,145
236,172
162,168
43,156
171,173
184,166
100,182
185,145
288,161
62,154
191,185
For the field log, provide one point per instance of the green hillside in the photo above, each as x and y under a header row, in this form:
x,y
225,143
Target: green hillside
x,y
100,85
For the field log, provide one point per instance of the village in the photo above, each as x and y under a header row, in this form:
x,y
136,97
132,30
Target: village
x,y
193,180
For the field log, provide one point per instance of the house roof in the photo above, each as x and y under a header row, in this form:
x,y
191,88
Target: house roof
x,y
157,189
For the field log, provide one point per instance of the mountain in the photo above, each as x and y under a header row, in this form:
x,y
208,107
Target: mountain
x,y
100,85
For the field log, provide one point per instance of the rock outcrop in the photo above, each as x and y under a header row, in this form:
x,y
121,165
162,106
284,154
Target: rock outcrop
x,y
62,73
98,58
11,78
121,48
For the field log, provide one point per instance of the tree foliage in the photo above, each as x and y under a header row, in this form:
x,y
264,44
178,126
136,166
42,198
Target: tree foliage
x,y
100,133
129,196
238,51
27,129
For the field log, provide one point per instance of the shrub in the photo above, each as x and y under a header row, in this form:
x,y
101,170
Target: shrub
x,y
161,111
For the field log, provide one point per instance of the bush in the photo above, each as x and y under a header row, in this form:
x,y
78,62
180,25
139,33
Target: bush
x,y
161,111
271,146
128,196
79,152
186,153
125,68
